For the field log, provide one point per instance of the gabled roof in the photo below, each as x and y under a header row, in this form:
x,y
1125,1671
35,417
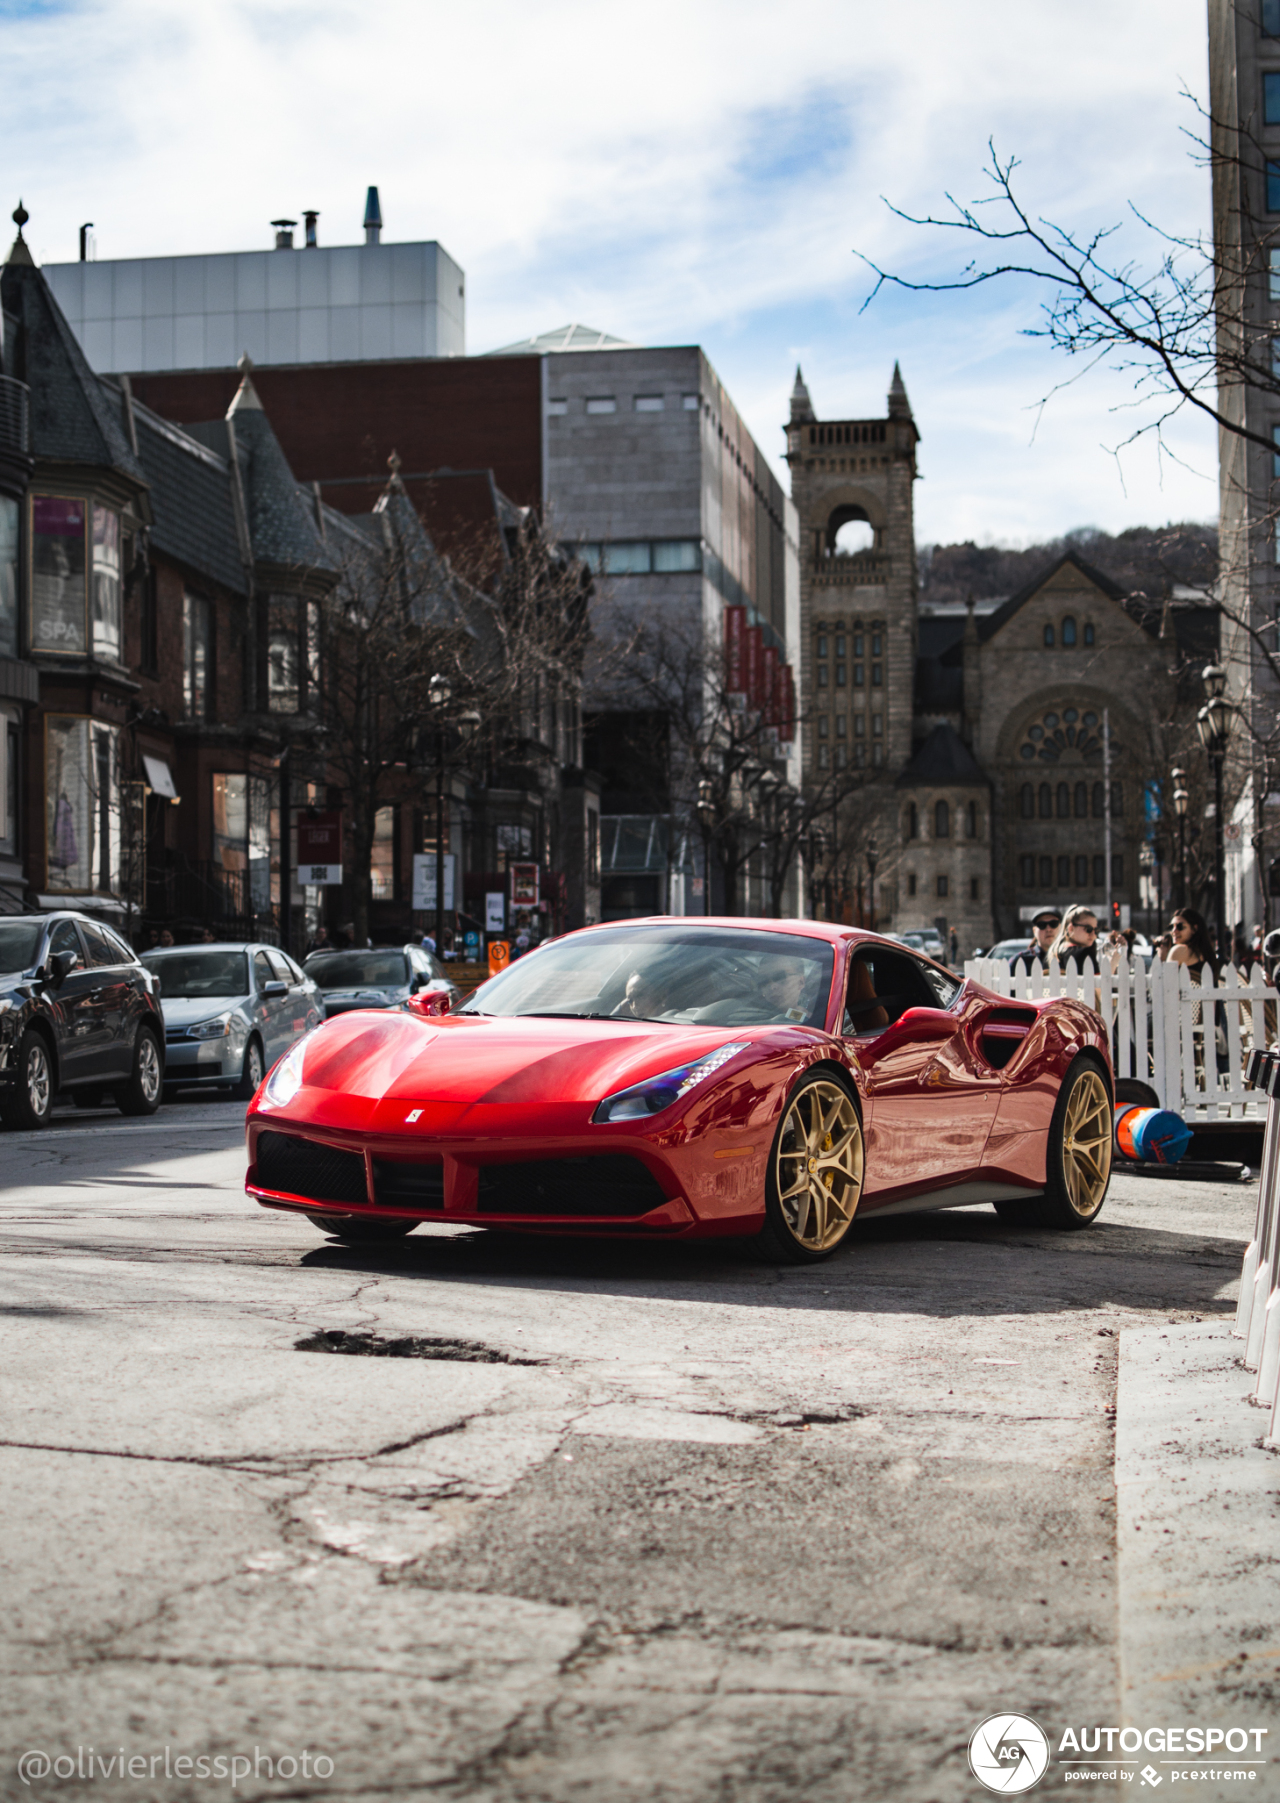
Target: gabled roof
x,y
944,760
990,624
282,527
72,419
565,338
193,518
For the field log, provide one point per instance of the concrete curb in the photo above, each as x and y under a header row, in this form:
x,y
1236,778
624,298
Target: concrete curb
x,y
1198,1497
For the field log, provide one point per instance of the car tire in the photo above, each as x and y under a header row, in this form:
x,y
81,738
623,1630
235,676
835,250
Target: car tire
x,y
142,1092
88,1096
816,1168
1077,1158
251,1075
358,1232
30,1102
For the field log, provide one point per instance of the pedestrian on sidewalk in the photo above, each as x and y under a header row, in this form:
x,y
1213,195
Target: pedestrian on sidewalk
x,y
319,941
1044,929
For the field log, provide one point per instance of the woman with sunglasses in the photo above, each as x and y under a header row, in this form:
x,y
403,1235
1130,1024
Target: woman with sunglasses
x,y
1192,945
1075,947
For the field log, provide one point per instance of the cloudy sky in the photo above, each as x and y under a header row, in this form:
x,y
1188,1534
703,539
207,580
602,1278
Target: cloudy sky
x,y
677,171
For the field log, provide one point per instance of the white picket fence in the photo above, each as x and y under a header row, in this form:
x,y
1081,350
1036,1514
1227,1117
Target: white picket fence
x,y
1189,1044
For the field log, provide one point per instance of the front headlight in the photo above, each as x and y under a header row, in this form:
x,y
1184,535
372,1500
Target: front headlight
x,y
218,1028
286,1079
664,1090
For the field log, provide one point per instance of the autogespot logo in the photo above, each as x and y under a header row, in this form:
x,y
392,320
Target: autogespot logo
x,y
1009,1753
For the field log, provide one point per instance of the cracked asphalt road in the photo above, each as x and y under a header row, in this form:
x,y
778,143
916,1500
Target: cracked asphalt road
x,y
719,1531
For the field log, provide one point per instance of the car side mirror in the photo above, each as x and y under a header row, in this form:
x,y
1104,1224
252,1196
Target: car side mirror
x,y
925,1023
275,988
59,968
431,1002
415,982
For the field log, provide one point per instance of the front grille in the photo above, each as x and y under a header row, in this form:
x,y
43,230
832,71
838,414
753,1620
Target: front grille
x,y
417,1185
609,1183
300,1167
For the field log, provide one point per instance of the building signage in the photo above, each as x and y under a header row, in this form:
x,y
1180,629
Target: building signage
x,y
524,885
495,911
424,881
319,850
754,671
735,627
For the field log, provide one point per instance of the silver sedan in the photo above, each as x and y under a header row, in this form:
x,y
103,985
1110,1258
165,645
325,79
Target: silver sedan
x,y
377,977
230,1011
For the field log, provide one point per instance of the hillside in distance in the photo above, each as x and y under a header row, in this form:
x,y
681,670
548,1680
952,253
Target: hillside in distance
x,y
1146,559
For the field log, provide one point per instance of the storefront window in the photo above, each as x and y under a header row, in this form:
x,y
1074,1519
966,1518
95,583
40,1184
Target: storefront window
x,y
57,574
382,862
106,583
246,839
82,804
8,577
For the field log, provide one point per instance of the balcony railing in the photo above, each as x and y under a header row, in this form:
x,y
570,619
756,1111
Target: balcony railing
x,y
15,417
858,571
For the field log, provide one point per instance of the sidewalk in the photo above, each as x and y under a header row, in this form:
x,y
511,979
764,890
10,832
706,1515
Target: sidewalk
x,y
1198,1533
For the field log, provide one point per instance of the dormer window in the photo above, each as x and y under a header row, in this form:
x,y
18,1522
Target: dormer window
x,y
71,537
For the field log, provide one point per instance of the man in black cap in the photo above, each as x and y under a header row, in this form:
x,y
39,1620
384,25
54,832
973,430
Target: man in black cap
x,y
1044,929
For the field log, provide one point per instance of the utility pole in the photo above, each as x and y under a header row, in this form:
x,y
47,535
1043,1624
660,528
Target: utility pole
x,y
1106,806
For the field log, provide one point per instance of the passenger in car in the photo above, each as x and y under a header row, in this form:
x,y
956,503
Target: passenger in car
x,y
863,1013
783,982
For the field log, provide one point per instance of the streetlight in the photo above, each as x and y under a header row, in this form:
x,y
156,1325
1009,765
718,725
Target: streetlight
x,y
1181,802
440,694
873,858
1213,723
706,812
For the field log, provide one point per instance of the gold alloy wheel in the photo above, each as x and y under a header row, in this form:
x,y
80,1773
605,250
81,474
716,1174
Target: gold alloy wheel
x,y
1086,1144
819,1165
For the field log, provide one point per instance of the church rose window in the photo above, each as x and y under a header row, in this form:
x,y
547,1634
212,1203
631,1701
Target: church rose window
x,y
1056,735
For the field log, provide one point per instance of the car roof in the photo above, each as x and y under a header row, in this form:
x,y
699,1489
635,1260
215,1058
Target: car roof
x,y
835,932
213,945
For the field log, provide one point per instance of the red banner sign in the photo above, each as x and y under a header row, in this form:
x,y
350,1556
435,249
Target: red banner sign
x,y
754,666
772,698
320,838
735,626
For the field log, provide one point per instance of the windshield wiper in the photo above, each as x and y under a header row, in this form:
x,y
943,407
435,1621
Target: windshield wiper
x,y
572,1014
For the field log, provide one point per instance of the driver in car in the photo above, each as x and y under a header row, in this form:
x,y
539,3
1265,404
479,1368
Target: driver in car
x,y
783,982
646,998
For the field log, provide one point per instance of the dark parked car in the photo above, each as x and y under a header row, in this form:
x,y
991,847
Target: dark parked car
x,y
77,1013
379,977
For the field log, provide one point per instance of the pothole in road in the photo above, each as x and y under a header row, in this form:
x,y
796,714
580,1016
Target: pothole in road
x,y
369,1345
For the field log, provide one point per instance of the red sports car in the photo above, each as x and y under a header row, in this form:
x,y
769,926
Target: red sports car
x,y
689,1078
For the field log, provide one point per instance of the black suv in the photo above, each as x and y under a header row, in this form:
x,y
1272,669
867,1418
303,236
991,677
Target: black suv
x,y
78,1013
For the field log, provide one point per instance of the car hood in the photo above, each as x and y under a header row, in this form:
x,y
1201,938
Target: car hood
x,y
479,1059
186,1011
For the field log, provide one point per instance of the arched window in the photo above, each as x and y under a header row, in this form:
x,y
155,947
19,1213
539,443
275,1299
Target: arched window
x,y
1099,802
1048,638
1046,802
941,820
913,821
1068,633
1088,632
1028,799
971,820
1064,802
1082,801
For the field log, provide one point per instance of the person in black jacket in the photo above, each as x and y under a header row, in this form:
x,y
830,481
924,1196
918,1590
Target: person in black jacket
x,y
1076,944
1044,930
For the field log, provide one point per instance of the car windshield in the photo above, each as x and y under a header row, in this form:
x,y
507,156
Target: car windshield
x,y
19,945
192,975
358,970
704,976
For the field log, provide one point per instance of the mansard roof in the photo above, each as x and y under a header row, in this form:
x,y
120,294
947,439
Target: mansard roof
x,y
990,624
72,420
193,515
943,761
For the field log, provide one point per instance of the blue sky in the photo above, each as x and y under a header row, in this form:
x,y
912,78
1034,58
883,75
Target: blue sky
x,y
687,171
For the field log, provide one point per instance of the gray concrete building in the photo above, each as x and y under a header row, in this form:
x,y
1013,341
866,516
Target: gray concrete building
x,y
650,469
346,303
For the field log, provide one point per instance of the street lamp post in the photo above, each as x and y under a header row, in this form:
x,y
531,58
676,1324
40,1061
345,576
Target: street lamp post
x,y
1181,802
440,695
706,812
873,858
1213,723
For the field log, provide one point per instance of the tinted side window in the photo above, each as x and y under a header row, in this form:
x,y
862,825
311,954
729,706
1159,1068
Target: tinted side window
x,y
295,975
882,986
262,972
945,988
101,950
124,955
280,965
64,938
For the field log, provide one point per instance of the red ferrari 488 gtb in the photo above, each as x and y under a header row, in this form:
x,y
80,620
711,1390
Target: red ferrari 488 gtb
x,y
682,1078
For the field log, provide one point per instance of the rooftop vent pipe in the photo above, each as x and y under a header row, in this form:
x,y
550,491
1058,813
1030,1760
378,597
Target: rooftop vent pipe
x,y
284,233
309,220
372,218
